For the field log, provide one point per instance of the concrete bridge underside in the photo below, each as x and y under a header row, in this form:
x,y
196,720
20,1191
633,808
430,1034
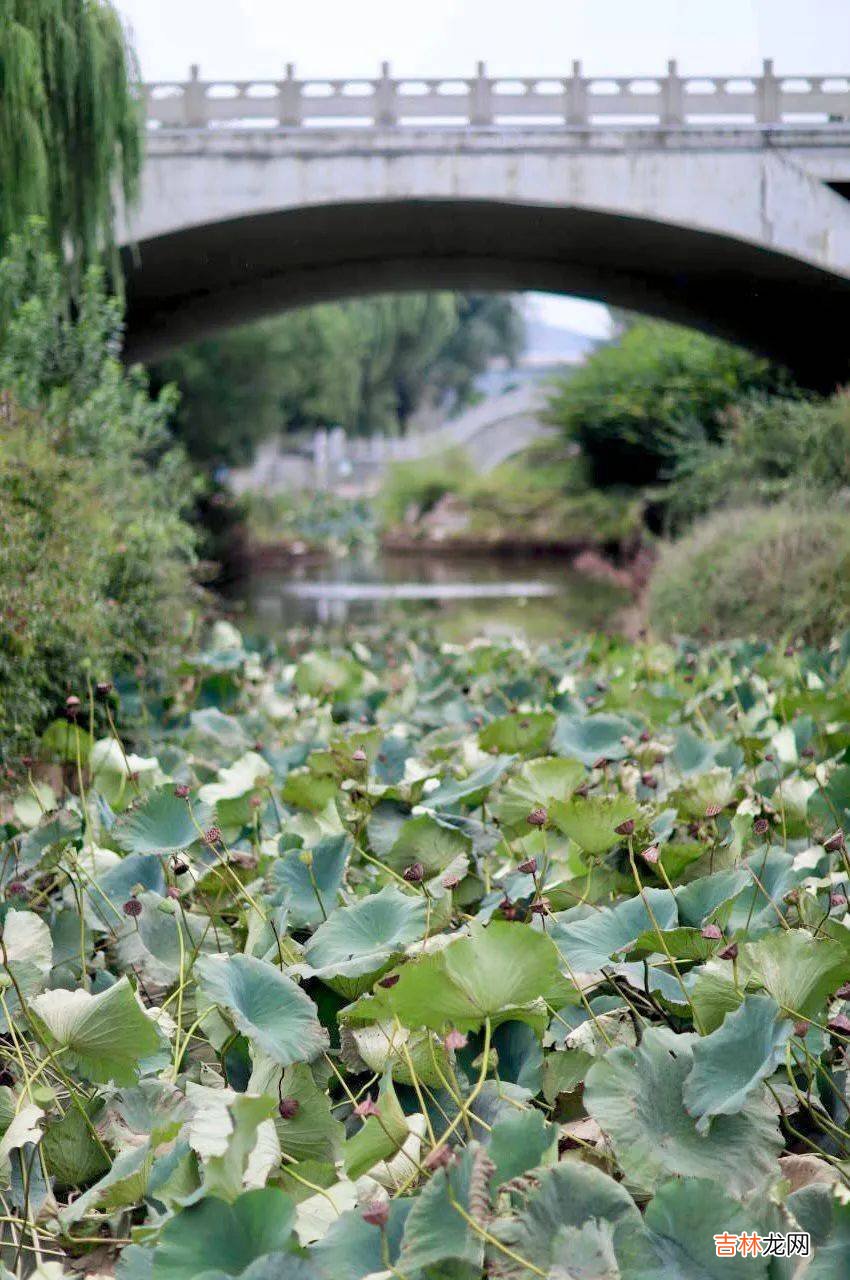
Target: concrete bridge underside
x,y
213,275
743,232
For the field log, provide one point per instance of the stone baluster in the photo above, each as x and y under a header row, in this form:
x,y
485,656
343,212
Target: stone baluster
x,y
480,103
194,100
672,97
385,101
289,99
768,110
576,96
320,458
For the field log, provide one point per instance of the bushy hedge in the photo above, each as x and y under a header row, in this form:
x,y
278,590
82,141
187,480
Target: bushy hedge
x,y
771,447
95,554
770,572
636,401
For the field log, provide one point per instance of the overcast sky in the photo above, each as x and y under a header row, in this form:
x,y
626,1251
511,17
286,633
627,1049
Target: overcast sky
x,y
255,38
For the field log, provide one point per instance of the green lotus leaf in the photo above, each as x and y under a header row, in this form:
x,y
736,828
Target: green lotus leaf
x,y
714,993
237,784
123,1184
304,789
310,891
354,1248
538,784
569,1197
471,790
595,940
435,1234
594,737
215,735
427,840
520,733
699,901
66,742
592,820
680,1224
379,1046
106,1034
502,972
215,1235
71,1154
636,1097
380,1137
798,970
682,944
520,1141
313,1133
731,1062
161,823
266,1006
323,675
357,943
701,794
823,1212
691,754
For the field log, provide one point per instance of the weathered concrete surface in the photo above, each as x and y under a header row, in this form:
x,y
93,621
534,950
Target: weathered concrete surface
x,y
732,229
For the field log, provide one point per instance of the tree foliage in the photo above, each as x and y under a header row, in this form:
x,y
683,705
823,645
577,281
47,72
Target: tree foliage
x,y
637,401
367,365
69,122
94,552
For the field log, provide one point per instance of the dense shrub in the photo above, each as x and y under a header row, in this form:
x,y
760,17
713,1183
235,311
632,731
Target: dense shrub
x,y
771,447
95,556
769,572
635,402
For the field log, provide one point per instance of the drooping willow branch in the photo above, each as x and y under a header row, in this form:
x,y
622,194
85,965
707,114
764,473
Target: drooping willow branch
x,y
70,124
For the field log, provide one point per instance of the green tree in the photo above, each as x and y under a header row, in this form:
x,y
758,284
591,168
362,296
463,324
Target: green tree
x,y
367,365
70,132
635,402
489,326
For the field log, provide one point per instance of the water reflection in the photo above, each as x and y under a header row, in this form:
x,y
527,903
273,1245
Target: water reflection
x,y
538,597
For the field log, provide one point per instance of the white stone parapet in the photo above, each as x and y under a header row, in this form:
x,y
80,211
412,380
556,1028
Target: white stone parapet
x,y
575,101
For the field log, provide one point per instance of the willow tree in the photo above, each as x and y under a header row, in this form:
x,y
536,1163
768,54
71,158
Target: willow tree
x,y
70,124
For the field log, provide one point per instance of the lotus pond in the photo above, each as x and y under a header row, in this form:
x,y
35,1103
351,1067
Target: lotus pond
x,y
433,961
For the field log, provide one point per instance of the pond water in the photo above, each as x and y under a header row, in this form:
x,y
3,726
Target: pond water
x,y
535,597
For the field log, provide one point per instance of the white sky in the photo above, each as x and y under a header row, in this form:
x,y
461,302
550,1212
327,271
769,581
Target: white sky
x,y
255,38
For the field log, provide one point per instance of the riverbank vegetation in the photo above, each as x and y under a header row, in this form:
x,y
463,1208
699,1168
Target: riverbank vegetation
x,y
438,960
95,551
678,446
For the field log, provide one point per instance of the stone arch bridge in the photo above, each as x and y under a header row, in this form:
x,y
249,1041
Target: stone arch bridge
x,y
719,202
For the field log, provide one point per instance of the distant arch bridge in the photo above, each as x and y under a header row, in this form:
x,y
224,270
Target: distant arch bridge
x,y
718,202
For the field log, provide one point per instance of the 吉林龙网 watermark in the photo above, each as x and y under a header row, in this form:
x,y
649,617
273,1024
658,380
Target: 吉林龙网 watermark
x,y
750,1244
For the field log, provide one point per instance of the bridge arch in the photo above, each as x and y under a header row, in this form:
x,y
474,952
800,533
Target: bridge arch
x,y
186,283
736,223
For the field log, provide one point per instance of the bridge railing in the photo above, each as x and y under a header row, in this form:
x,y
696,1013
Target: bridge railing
x,y
575,101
